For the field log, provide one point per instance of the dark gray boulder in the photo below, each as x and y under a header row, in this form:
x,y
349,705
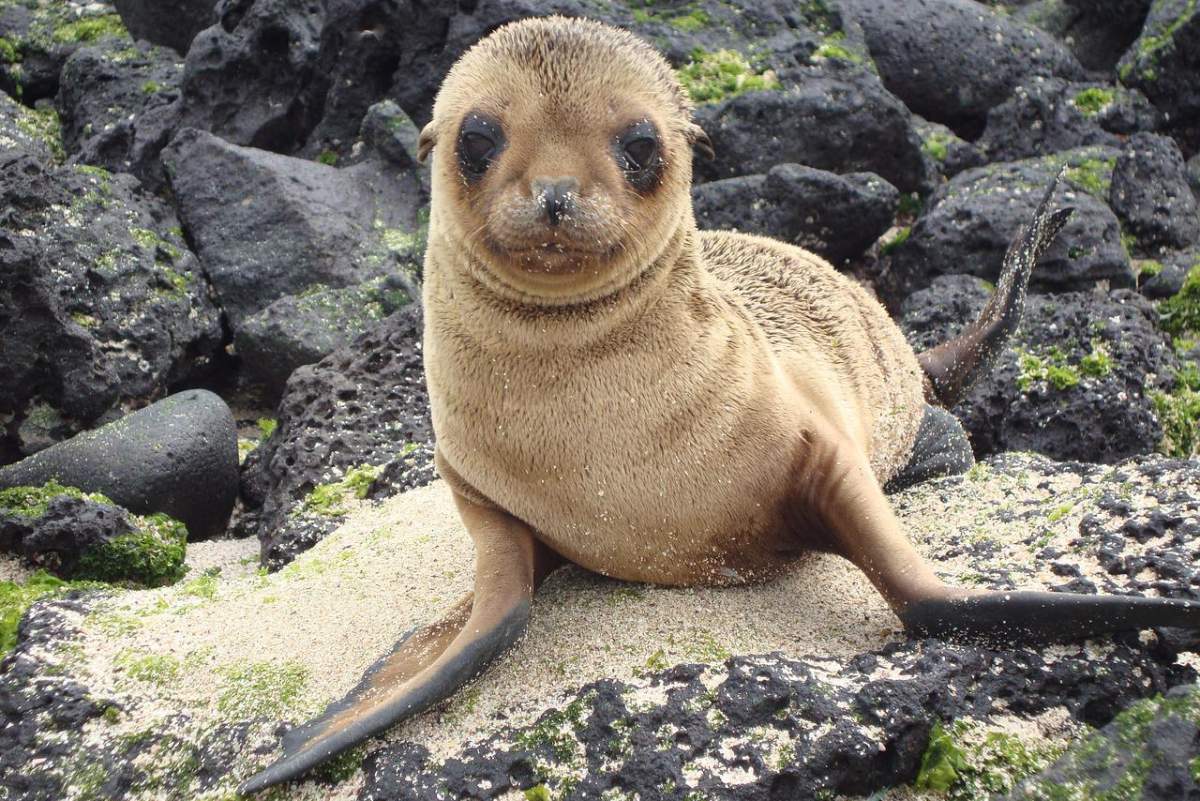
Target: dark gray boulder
x,y
1164,63
177,456
952,60
1096,31
1048,115
119,107
101,302
969,221
1074,383
40,37
266,225
303,329
171,23
1151,195
835,216
359,419
836,116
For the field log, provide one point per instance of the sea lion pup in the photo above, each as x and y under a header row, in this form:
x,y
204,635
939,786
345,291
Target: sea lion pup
x,y
613,388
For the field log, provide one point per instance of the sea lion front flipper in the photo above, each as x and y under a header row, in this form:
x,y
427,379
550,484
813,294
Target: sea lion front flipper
x,y
432,663
851,515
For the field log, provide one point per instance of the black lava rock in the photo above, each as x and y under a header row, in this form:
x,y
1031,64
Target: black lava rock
x,y
952,60
1049,115
298,330
119,106
837,117
1164,64
365,405
1168,273
969,222
946,152
1097,31
24,130
101,302
177,456
266,225
171,23
1074,383
835,216
1151,195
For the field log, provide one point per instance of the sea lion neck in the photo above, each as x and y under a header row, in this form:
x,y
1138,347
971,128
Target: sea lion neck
x,y
459,294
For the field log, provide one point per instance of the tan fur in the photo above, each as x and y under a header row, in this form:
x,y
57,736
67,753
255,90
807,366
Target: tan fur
x,y
648,410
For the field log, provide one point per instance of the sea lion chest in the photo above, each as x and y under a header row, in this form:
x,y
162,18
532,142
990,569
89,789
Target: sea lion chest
x,y
660,453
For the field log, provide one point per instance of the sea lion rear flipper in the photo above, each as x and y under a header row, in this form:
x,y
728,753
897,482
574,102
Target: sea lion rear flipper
x,y
850,510
430,664
954,366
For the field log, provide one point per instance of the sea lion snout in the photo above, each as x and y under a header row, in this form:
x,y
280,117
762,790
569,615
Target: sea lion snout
x,y
555,196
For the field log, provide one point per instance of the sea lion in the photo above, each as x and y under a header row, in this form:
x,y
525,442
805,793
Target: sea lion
x,y
614,388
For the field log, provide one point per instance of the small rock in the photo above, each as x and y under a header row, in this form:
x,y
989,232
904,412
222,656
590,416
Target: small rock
x,y
177,456
946,152
952,60
266,225
1163,276
1150,193
1164,64
298,330
1049,115
836,216
171,23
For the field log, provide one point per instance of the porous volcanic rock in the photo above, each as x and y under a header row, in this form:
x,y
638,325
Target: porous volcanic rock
x,y
101,302
266,225
1164,64
363,407
1073,384
25,130
835,116
40,36
177,456
119,106
1167,273
835,216
171,23
1049,115
298,330
952,60
1151,195
1096,31
759,703
969,221
946,152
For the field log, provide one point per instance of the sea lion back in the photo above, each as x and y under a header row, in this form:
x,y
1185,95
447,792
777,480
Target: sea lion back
x,y
820,321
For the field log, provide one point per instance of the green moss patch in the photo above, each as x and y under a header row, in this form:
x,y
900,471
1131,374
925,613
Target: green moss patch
x,y
32,501
965,761
833,47
1180,313
714,76
1178,413
1054,368
90,29
332,500
157,669
151,555
17,597
936,144
1091,101
1093,176
899,239
688,19
260,689
9,54
43,125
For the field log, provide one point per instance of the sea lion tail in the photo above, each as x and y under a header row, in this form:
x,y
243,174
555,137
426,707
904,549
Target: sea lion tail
x,y
954,366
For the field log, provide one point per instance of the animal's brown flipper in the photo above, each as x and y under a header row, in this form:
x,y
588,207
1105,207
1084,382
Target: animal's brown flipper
x,y
841,499
433,662
955,365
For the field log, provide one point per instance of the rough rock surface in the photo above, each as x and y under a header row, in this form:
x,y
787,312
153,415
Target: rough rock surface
x,y
931,54
266,225
298,330
1163,63
837,117
836,701
1166,277
119,106
364,406
24,130
1150,193
1049,115
101,302
1097,31
947,154
969,221
171,23
177,456
836,216
1074,383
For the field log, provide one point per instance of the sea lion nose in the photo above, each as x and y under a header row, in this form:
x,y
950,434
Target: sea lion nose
x,y
555,196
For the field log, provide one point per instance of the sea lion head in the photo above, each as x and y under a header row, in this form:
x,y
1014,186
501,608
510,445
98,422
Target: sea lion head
x,y
562,166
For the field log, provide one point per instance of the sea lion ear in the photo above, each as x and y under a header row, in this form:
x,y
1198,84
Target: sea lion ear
x,y
426,142
700,141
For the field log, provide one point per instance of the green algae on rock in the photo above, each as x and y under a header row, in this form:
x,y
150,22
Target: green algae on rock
x,y
714,76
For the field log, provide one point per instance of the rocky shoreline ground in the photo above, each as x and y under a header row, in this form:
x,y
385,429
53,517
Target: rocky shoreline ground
x,y
223,199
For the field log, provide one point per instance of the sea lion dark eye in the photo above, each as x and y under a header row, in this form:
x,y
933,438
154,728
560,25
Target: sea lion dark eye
x,y
638,155
480,141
